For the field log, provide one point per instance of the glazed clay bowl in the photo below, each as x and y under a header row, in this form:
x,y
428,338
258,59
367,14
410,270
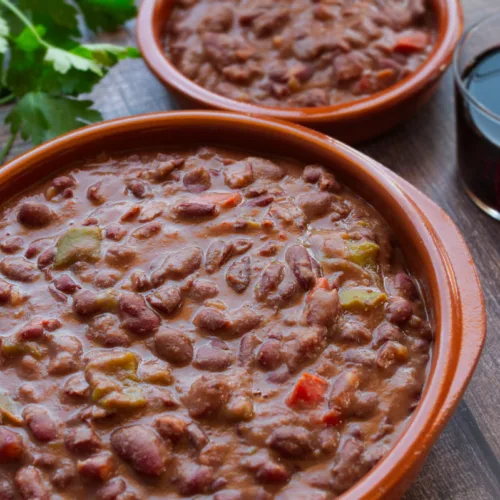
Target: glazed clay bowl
x,y
350,122
433,247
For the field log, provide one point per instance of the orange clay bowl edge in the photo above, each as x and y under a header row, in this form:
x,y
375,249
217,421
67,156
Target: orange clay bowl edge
x,y
350,122
431,243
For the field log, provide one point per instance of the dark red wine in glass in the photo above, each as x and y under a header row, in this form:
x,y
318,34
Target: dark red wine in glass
x,y
478,130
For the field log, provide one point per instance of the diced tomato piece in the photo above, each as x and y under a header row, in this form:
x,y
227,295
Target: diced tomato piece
x,y
415,42
322,283
308,391
225,200
386,76
332,418
365,85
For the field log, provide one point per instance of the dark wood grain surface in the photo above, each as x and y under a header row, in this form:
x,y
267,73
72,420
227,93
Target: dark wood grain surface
x,y
465,462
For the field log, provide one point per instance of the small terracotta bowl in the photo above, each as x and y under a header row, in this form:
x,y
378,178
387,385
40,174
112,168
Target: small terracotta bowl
x,y
350,122
433,247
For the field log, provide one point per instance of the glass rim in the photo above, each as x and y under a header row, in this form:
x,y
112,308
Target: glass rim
x,y
456,73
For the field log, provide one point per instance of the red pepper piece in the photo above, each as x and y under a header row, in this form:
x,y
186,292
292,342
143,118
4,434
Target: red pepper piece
x,y
332,418
416,42
308,391
224,200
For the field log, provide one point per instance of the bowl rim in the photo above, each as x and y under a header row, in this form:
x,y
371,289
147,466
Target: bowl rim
x,y
450,27
439,398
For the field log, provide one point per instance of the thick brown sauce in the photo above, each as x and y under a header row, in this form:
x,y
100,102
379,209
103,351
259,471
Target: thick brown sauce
x,y
299,53
257,442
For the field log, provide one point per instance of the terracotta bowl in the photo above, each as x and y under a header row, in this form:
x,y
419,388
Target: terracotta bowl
x,y
434,249
351,122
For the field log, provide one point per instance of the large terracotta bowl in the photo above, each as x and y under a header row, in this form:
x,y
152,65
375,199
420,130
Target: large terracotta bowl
x,y
433,247
351,122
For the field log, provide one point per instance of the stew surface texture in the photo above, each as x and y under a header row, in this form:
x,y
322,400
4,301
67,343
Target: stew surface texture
x,y
201,323
299,53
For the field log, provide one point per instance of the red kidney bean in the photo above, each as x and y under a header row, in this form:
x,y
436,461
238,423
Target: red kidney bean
x,y
76,387
166,300
239,274
140,189
173,346
40,423
303,266
291,442
97,468
81,439
12,245
202,289
30,484
206,396
315,204
197,180
120,256
398,310
194,479
140,447
11,446
190,209
348,466
136,316
178,265
322,307
211,319
171,428
34,215
269,355
112,490
65,284
218,253
19,270
214,357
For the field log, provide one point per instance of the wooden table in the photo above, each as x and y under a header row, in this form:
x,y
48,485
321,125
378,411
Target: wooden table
x,y
465,462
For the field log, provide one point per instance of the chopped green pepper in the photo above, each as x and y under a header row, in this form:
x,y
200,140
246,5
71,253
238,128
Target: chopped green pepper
x,y
78,244
240,408
361,299
115,362
12,346
107,300
159,376
8,410
364,253
114,381
128,399
102,385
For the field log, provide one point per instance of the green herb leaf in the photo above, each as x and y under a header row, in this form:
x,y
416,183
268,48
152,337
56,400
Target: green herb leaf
x,y
46,66
28,40
4,47
24,70
106,54
106,15
40,117
4,33
73,82
63,61
59,17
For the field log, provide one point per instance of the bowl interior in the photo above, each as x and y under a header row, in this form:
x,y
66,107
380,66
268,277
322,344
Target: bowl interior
x,y
181,133
152,25
177,130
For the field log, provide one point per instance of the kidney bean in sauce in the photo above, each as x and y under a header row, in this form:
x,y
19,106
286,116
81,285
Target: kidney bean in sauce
x,y
299,53
244,351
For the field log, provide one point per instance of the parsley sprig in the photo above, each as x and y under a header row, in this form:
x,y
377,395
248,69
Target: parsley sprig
x,y
44,66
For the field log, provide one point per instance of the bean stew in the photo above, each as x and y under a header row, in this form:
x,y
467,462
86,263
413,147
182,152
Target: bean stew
x,y
299,53
201,323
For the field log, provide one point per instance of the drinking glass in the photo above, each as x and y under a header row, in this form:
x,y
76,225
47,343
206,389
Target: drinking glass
x,y
476,67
